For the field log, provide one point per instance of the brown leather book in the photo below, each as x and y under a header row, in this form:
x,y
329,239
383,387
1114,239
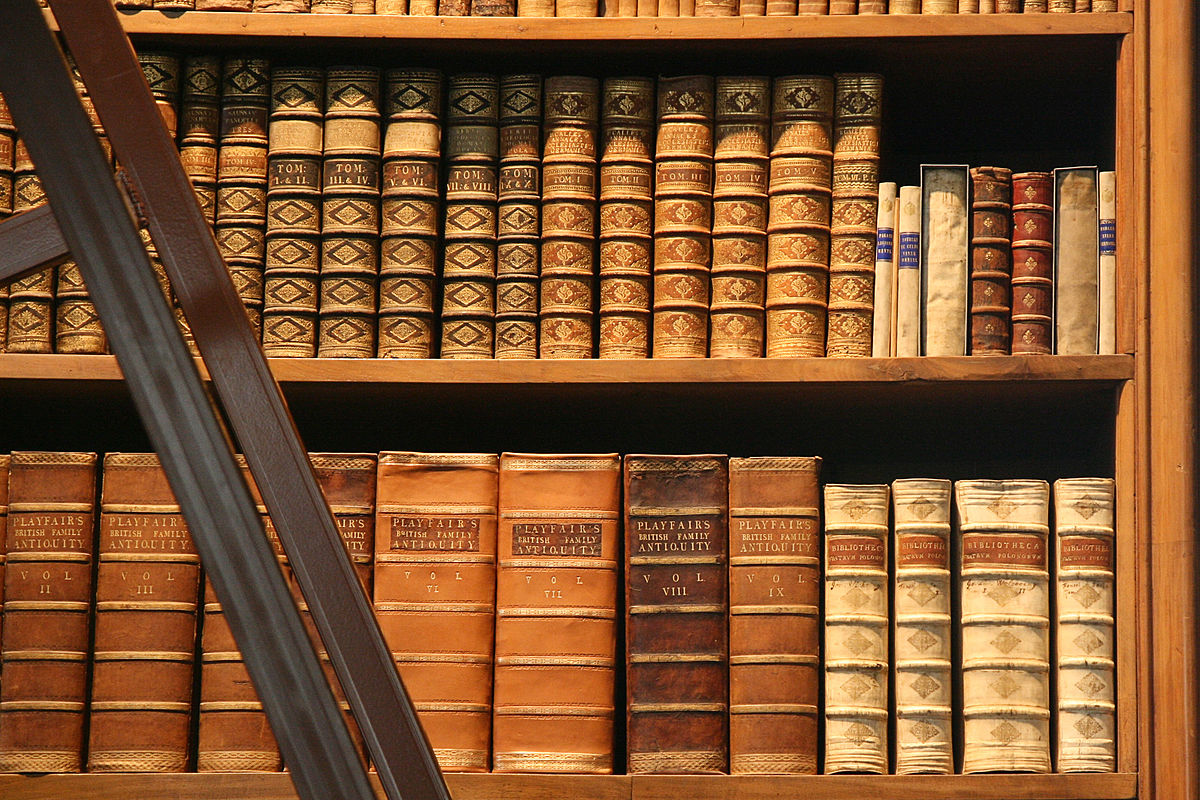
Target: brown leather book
x,y
872,6
282,6
199,124
568,217
991,260
349,214
556,613
30,298
519,216
493,8
626,216
1032,262
4,464
412,148
223,5
774,618
683,162
676,604
47,611
469,240
147,593
291,275
331,7
843,6
435,593
8,145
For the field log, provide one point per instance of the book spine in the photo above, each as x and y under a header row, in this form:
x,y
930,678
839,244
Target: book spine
x,y
800,186
469,253
556,613
536,8
8,146
716,8
856,628
882,345
412,149
945,250
519,216
812,7
987,6
349,214
739,246
991,260
1008,6
752,8
199,127
1082,6
31,297
921,627
147,594
281,6
904,6
1076,261
1003,527
331,6
5,461
781,8
224,5
683,191
968,6
676,606
1034,6
495,8
47,611
908,272
242,177
857,109
1085,660
1061,6
626,217
939,6
1032,270
1108,262
1104,5
178,5
293,237
576,8
843,6
567,302
362,7
872,6
434,593
774,617
394,7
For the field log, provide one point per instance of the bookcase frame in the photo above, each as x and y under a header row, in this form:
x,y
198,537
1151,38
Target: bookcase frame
x,y
1139,406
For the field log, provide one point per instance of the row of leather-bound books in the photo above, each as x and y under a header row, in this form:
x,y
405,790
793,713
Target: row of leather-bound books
x,y
765,631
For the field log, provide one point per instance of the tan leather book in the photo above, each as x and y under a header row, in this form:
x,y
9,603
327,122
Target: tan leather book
x,y
683,174
30,298
921,627
494,8
8,144
991,260
1004,583
968,6
392,7
556,613
780,8
1062,6
812,7
362,7
872,6
626,216
1076,261
739,266
435,593
676,607
147,595
4,467
774,616
752,8
567,305
224,5
798,223
331,6
519,216
576,8
858,106
47,611
199,126
411,205
1104,5
856,628
1008,6
469,250
945,254
939,6
282,6
843,6
350,214
1033,268
293,237
1085,667
716,8
1034,6
904,6
535,8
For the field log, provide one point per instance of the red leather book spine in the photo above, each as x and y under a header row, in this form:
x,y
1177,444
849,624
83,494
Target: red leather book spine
x,y
991,260
1032,262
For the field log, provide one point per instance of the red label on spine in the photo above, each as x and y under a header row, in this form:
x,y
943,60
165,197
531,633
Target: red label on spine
x,y
1004,550
921,550
857,551
1085,551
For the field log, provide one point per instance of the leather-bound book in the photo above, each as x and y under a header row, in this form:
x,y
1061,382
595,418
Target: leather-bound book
x,y
1034,6
882,344
626,216
991,260
1062,6
519,216
31,297
558,550
494,8
780,8
945,254
435,593
739,260
469,249
8,145
856,628
798,223
1076,261
1004,577
812,7
939,6
968,6
224,5
47,611
904,6
1104,5
857,112
872,6
716,8
1032,263
908,272
676,604
199,126
293,240
1108,262
362,7
683,173
147,594
392,7
331,6
242,177
535,8
576,8
282,6
1008,6
843,6
567,304
4,464
752,8
1085,663
921,627
412,148
349,214
774,617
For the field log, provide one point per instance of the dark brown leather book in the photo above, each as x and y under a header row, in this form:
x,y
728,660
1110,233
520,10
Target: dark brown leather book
x,y
676,605
774,617
31,298
1032,262
199,127
4,462
350,214
47,611
8,145
556,613
147,593
991,260
493,8
435,593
